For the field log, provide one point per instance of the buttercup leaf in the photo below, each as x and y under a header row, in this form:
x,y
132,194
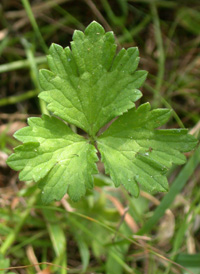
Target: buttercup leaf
x,y
87,86
135,153
54,156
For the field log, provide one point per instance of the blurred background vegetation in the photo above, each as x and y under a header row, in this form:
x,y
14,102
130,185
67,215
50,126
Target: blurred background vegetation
x,y
107,231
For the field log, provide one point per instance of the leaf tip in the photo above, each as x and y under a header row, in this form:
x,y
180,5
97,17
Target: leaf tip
x,y
94,27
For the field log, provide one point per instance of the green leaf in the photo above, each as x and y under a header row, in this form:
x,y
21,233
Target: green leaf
x,y
54,156
89,85
134,152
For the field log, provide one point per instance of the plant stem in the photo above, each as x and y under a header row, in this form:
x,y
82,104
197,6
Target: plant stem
x,y
161,57
21,64
15,99
34,72
28,9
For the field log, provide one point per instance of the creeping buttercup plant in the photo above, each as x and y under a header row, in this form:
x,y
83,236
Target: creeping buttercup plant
x,y
87,86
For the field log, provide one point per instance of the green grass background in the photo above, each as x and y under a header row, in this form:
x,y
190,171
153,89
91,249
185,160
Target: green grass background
x,y
107,231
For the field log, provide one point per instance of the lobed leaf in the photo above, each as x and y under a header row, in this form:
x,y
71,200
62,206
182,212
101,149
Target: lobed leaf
x,y
54,156
134,152
89,85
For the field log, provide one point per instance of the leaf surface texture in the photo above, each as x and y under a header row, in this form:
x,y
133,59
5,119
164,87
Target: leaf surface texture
x,y
54,156
136,154
90,85
87,86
